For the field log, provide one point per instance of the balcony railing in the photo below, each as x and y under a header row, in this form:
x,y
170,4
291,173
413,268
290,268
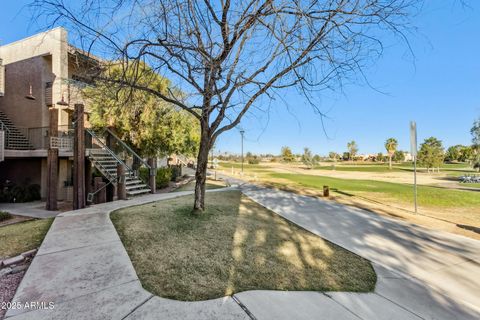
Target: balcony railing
x,y
39,137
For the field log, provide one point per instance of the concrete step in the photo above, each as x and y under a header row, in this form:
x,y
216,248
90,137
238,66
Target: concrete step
x,y
130,181
138,192
136,187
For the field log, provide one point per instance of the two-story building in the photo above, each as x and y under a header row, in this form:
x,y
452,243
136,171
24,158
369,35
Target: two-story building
x,y
38,73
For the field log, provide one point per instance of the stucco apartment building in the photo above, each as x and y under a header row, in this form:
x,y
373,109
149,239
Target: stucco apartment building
x,y
38,73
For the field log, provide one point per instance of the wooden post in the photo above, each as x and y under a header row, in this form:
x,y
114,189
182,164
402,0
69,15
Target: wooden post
x,y
121,186
326,191
79,159
152,175
100,197
88,177
52,163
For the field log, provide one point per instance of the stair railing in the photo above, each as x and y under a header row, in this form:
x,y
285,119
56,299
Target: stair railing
x,y
136,159
185,160
106,148
129,150
124,148
3,127
91,195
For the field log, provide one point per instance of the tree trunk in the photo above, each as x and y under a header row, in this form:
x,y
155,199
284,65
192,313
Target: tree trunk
x,y
201,174
390,162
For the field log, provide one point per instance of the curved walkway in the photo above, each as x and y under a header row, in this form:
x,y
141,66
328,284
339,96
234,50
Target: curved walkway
x,y
433,275
84,269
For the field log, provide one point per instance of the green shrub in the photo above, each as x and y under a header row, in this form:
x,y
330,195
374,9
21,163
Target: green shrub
x,y
33,192
163,177
20,194
4,195
176,172
144,174
5,216
253,160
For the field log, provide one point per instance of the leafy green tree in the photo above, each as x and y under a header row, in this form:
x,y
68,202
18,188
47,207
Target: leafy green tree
x,y
466,154
231,57
346,156
391,146
398,156
286,154
475,131
333,155
454,153
149,124
253,159
380,157
431,153
317,158
352,149
308,159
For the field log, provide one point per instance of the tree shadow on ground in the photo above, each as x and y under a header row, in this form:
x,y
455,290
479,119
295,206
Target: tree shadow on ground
x,y
236,245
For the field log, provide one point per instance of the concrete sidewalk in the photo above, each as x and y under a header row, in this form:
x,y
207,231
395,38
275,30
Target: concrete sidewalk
x,y
433,275
84,269
35,209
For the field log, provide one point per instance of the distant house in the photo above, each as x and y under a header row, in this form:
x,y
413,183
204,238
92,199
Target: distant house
x,y
408,156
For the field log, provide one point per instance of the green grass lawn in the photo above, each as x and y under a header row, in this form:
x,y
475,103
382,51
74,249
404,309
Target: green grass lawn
x,y
455,168
470,185
255,168
23,236
236,245
427,196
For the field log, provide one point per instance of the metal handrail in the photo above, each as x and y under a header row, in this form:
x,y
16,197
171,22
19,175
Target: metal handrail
x,y
184,159
92,194
106,148
7,132
123,144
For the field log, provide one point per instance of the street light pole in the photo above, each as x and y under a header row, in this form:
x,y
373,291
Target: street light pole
x,y
413,151
415,181
242,132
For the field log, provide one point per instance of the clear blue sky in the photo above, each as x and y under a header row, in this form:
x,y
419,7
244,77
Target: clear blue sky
x,y
439,88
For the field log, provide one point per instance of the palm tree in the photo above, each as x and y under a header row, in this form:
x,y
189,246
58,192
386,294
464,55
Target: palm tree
x,y
391,145
352,149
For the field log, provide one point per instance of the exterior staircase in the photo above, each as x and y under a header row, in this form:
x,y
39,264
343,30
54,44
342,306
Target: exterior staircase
x,y
106,161
14,139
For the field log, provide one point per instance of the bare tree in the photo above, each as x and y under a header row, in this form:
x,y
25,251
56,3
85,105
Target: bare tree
x,y
229,58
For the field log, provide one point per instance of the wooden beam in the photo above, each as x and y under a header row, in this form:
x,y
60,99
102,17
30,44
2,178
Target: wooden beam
x,y
121,186
79,196
52,163
152,174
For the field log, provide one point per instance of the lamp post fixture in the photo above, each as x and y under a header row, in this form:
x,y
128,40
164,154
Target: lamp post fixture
x,y
30,95
242,132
